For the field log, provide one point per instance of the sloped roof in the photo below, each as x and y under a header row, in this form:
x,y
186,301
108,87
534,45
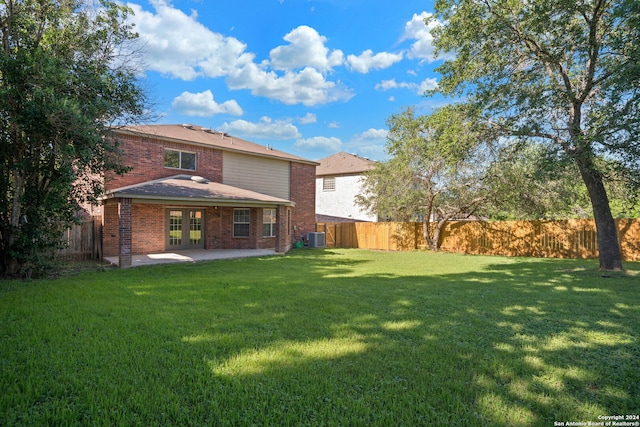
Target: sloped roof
x,y
330,218
185,188
197,135
343,164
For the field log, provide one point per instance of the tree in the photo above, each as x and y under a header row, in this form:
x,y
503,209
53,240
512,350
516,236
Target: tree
x,y
65,77
565,72
529,182
434,174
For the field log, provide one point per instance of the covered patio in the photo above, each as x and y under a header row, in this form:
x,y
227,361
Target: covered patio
x,y
189,218
193,255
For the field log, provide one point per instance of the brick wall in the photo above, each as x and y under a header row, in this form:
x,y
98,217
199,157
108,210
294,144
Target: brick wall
x,y
213,228
146,158
125,232
303,193
110,229
149,227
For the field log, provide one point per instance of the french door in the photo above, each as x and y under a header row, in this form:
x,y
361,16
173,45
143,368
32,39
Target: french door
x,y
185,229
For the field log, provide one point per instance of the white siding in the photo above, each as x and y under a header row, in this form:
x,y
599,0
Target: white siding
x,y
264,175
341,201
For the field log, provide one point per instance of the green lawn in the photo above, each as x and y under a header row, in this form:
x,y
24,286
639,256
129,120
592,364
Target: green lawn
x,y
324,337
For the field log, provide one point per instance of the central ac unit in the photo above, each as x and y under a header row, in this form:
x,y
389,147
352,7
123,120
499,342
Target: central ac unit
x,y
316,240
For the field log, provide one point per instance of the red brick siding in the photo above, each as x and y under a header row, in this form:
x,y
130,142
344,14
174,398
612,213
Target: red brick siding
x,y
303,193
125,232
148,228
110,229
283,234
146,158
213,228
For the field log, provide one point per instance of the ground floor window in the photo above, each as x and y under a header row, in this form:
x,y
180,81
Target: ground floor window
x,y
185,228
241,222
268,222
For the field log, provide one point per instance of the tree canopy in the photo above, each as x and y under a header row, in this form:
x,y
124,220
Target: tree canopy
x,y
436,171
565,73
66,75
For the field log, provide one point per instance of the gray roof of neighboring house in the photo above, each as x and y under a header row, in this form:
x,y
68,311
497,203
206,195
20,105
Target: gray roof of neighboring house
x,y
197,135
188,189
343,164
330,218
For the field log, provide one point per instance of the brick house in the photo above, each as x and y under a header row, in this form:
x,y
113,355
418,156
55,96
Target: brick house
x,y
194,188
338,182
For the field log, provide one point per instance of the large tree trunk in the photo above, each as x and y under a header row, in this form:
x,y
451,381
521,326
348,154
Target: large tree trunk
x,y
607,232
12,266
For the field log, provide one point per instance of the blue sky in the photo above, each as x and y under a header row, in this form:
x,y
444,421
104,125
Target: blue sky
x,y
309,77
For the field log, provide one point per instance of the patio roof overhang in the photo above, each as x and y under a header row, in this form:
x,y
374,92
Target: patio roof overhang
x,y
194,190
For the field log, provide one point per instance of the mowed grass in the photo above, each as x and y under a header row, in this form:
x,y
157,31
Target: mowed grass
x,y
324,337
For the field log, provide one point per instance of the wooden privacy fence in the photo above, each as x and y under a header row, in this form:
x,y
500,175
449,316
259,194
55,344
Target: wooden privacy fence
x,y
84,240
553,239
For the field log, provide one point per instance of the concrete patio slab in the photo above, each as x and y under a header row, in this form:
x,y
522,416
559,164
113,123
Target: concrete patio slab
x,y
193,256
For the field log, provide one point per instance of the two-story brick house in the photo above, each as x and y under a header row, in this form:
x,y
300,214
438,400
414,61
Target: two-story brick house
x,y
194,188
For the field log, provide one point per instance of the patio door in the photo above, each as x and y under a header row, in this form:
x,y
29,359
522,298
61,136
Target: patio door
x,y
185,229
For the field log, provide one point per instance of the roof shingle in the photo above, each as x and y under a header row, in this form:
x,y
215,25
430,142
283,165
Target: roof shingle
x,y
343,164
187,188
197,135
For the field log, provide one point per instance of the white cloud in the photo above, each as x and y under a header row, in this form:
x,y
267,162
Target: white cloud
x,y
389,84
308,118
319,143
334,125
369,137
203,105
374,134
428,84
369,144
422,48
367,61
308,87
373,152
265,129
178,45
305,49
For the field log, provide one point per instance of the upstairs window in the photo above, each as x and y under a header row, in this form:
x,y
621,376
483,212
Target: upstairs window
x,y
329,184
179,160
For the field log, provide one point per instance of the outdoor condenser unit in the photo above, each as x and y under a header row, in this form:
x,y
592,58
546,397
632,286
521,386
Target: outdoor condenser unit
x,y
316,240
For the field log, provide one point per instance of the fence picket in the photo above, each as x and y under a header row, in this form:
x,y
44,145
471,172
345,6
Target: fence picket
x,y
553,239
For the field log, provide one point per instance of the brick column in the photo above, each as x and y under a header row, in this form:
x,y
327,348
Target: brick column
x,y
283,235
124,228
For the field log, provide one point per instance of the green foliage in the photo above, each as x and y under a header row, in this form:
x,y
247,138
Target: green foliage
x,y
65,76
323,338
529,181
436,169
563,72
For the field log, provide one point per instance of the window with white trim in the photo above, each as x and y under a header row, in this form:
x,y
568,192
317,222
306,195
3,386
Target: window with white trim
x,y
241,222
329,184
268,222
177,159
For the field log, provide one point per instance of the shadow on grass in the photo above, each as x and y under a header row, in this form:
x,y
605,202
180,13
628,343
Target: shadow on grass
x,y
350,338
516,344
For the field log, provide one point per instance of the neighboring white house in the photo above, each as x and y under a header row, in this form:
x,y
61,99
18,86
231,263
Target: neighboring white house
x,y
338,181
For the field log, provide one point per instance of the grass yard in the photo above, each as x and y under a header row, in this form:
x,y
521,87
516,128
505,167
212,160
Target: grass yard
x,y
324,337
